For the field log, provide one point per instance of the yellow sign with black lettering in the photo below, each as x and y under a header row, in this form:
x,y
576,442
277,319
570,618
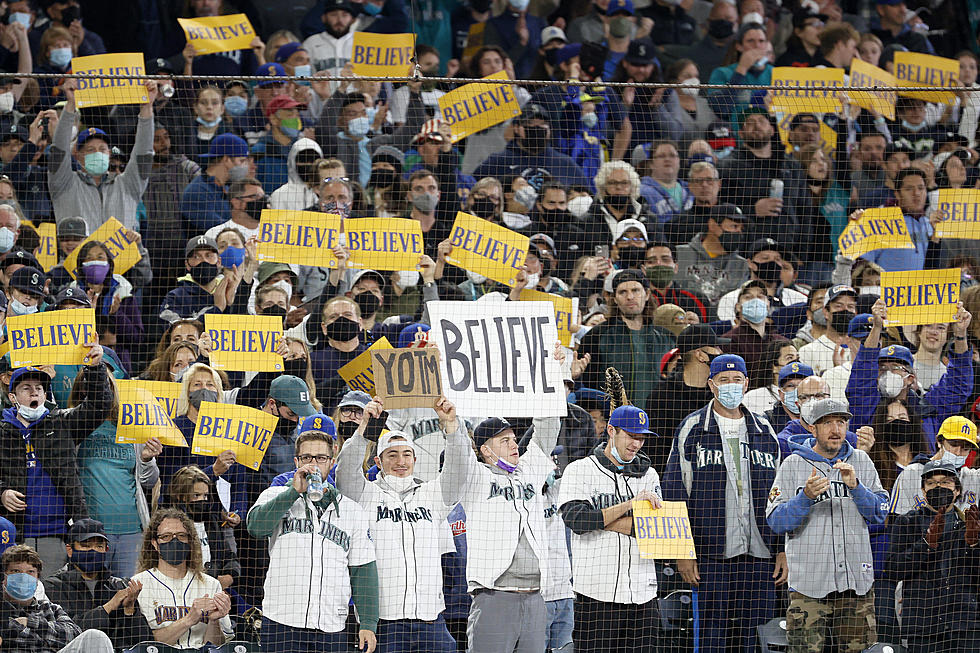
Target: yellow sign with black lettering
x,y
212,34
664,533
959,212
383,55
142,416
299,237
246,343
471,108
806,90
51,337
114,237
566,311
106,90
865,75
914,69
487,248
882,228
384,243
244,430
46,251
920,296
359,373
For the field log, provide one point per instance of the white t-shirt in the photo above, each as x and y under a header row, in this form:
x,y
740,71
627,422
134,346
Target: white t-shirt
x,y
761,399
164,600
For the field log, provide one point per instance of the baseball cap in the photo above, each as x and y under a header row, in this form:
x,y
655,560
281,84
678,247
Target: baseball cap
x,y
281,102
621,228
794,370
630,275
269,268
803,119
199,242
897,353
751,283
28,279
532,112
670,317
27,373
374,274
800,16
406,337
764,245
631,419
317,422
19,256
836,291
159,65
91,132
73,294
227,144
286,51
86,529
817,410
592,399
72,228
8,534
489,428
385,441
543,238
959,428
550,33
668,356
428,131
355,398
14,131
566,52
640,52
725,211
895,148
391,154
271,69
333,5
860,326
727,363
292,391
620,6
697,336
934,467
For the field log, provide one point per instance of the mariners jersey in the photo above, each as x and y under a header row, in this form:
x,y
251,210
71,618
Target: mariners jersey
x,y
907,492
606,565
164,600
422,424
558,584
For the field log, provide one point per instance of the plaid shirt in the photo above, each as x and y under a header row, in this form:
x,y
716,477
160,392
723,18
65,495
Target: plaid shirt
x,y
49,628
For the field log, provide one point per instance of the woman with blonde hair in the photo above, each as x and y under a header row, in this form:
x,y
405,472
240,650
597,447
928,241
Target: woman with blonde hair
x,y
172,364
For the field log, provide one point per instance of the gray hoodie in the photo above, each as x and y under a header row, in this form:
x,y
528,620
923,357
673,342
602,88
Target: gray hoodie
x,y
712,277
295,194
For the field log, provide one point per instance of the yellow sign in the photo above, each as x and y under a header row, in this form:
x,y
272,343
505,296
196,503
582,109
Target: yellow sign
x,y
806,90
959,210
46,252
914,69
51,337
664,533
104,91
384,243
474,107
383,55
828,136
920,296
299,237
142,416
246,343
566,311
882,228
865,75
244,430
166,392
124,252
474,39
486,248
358,373
218,33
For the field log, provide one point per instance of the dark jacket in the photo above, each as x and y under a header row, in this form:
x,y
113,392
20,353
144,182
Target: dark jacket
x,y
49,628
668,405
67,588
577,437
187,301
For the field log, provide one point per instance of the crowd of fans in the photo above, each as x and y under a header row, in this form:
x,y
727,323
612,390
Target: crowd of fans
x,y
827,460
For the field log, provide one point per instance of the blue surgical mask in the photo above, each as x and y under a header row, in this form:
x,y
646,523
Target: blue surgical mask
x,y
790,400
730,395
755,310
96,163
916,127
20,308
60,57
21,586
953,459
236,105
232,256
20,17
370,9
31,414
506,466
7,238
615,454
519,5
590,120
359,127
306,70
209,123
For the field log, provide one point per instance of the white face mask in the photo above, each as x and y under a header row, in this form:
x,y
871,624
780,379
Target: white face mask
x,y
408,278
286,287
31,414
6,102
890,384
753,17
532,280
20,308
693,84
579,206
475,278
399,484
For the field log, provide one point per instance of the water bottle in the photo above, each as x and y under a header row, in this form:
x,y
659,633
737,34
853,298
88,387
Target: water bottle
x,y
314,486
167,90
776,189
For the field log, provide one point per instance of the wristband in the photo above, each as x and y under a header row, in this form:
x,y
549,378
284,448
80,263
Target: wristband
x,y
959,337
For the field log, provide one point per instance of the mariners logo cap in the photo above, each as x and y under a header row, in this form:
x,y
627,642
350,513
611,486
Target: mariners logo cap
x,y
317,422
631,419
959,428
934,467
728,363
860,326
489,428
836,291
897,353
24,373
795,370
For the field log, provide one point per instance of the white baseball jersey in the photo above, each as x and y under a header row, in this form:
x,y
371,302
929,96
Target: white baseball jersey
x,y
427,436
164,600
907,492
606,565
308,583
558,584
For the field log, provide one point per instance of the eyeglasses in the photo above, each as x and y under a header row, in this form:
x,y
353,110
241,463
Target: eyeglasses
x,y
612,183
306,458
819,395
328,180
484,196
351,411
703,180
163,538
669,155
252,198
631,239
117,167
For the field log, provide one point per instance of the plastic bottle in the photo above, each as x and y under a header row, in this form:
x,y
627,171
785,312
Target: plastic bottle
x,y
314,488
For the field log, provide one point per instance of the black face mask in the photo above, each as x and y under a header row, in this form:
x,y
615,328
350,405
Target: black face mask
x,y
769,272
204,273
720,29
554,217
174,552
483,207
480,5
840,320
940,498
254,208
197,396
535,138
382,178
343,329
368,302
295,367
632,257
731,241
197,510
346,429
277,311
900,432
618,202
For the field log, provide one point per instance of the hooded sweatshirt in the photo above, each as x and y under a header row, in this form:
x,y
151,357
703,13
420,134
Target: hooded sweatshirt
x,y
295,194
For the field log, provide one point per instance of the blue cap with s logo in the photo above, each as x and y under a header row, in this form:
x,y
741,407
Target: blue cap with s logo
x,y
317,422
794,370
631,419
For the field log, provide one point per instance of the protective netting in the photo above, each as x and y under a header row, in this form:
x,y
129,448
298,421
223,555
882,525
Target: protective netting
x,y
613,331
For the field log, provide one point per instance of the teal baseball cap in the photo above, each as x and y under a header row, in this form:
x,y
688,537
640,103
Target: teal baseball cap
x,y
292,391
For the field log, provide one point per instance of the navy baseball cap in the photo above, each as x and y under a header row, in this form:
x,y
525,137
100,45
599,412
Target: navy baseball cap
x,y
631,419
620,6
29,280
286,51
592,399
271,69
489,428
86,529
8,534
73,294
91,132
728,363
860,326
227,144
836,291
25,373
317,422
794,370
897,353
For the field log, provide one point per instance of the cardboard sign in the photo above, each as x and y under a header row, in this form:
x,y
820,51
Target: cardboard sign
x,y
358,373
865,75
51,337
497,360
46,251
828,136
384,243
474,39
914,69
471,108
142,416
166,392
104,91
566,311
246,343
664,533
212,34
299,237
959,210
244,430
806,90
124,252
920,296
407,378
383,55
487,248
882,228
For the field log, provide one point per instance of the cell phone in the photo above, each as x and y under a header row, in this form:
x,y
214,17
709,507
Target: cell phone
x,y
602,251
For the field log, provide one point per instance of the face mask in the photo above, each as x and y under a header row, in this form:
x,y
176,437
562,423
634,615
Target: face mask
x,y
382,178
939,498
840,320
632,257
203,394
408,278
397,483
21,309
6,102
769,272
425,202
346,429
280,312
31,414
483,207
580,205
95,271
720,29
478,279
89,562
618,202
96,163
731,241
519,5
615,454
956,461
343,210
306,70
691,86
210,124
891,384
819,318
914,128
370,9
60,57
291,126
590,120
20,17
286,287
235,105
899,432
174,552
620,26
755,310
660,276
504,465
204,273
553,217
753,17
790,400
7,239
21,586
730,395
253,209
232,256
197,510
237,173
526,196
343,329
535,138
358,127
533,280
368,302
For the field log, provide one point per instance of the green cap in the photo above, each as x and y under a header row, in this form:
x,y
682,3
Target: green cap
x,y
270,268
292,391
